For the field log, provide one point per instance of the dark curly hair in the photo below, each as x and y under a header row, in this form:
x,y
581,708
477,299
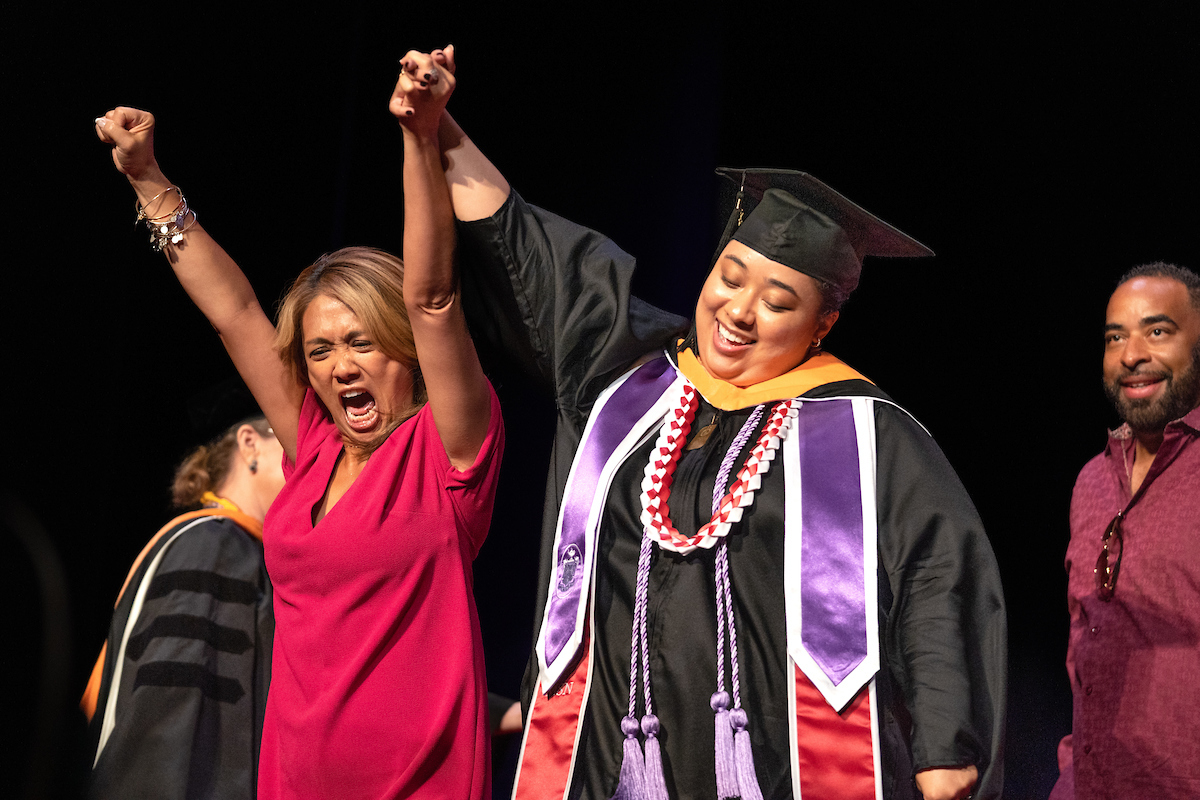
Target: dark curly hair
x,y
205,468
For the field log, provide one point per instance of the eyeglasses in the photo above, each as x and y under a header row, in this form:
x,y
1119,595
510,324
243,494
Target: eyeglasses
x,y
1107,566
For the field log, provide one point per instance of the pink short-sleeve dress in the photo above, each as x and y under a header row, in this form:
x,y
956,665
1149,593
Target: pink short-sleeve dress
x,y
377,685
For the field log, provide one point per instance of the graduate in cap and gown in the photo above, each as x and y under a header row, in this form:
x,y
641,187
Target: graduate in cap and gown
x,y
760,577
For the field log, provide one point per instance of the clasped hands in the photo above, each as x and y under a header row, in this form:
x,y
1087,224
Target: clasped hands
x,y
425,84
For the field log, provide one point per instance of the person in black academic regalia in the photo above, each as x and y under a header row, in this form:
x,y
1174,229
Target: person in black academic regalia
x,y
760,577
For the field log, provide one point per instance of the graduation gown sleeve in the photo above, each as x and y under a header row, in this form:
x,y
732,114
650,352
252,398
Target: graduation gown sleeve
x,y
944,634
555,296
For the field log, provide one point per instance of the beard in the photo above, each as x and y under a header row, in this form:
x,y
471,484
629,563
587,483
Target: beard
x,y
1181,395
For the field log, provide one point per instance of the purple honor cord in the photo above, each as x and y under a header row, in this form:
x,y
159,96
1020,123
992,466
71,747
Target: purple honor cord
x,y
734,761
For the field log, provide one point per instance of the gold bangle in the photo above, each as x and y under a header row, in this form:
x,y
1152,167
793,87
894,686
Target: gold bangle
x,y
141,209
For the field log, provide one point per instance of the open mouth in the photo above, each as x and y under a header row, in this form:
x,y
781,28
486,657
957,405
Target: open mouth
x,y
731,339
361,413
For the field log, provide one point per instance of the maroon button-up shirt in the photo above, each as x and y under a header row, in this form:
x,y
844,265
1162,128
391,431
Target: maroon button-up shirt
x,y
1134,662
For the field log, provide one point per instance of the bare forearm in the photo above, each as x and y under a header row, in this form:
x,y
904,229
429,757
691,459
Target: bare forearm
x,y
207,273
209,276
477,189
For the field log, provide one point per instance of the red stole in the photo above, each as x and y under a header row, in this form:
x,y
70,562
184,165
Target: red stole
x,y
833,755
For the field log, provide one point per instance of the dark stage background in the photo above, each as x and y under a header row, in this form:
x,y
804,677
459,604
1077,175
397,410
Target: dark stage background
x,y
1039,152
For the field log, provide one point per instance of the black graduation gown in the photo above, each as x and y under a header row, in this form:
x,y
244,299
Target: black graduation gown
x,y
556,297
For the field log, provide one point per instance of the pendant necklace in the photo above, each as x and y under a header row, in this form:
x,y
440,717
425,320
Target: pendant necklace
x,y
702,435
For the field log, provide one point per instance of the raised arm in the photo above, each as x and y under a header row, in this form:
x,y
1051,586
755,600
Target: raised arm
x,y
477,189
458,392
553,296
210,277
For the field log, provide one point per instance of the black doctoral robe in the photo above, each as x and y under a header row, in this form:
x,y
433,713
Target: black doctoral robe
x,y
192,688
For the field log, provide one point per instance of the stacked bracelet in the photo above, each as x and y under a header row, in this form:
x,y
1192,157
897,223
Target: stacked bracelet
x,y
167,228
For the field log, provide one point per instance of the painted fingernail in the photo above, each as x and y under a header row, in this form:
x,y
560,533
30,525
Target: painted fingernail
x,y
427,76
101,122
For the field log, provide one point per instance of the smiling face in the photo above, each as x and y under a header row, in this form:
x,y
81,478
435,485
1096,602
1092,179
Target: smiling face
x,y
363,388
756,318
1152,352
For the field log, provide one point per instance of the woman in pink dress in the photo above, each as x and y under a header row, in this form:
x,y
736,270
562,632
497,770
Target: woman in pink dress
x,y
392,439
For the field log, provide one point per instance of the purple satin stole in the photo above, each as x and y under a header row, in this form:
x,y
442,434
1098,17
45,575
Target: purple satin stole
x,y
832,593
628,404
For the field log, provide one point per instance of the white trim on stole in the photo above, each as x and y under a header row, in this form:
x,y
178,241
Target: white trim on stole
x,y
550,673
587,693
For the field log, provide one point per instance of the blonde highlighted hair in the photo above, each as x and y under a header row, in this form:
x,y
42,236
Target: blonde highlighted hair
x,y
370,283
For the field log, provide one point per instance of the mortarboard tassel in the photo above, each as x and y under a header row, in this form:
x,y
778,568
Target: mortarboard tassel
x,y
632,783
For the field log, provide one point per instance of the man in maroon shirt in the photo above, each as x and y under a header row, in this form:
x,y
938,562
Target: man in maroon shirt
x,y
1133,563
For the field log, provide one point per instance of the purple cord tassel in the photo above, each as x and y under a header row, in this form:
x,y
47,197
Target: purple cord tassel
x,y
747,778
656,782
632,783
731,751
727,785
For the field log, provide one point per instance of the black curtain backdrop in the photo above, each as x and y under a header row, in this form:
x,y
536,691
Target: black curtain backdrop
x,y
1040,151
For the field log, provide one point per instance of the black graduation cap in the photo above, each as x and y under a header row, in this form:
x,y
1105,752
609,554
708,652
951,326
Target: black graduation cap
x,y
794,219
